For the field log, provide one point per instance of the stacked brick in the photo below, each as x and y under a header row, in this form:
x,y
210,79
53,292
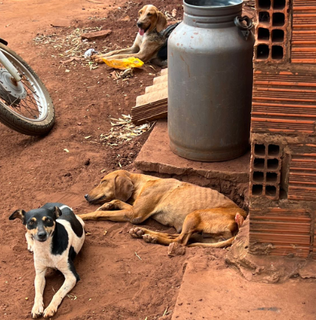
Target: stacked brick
x,y
283,130
303,49
271,30
266,170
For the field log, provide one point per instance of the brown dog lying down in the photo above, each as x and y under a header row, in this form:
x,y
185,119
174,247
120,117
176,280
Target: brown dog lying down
x,y
149,39
188,208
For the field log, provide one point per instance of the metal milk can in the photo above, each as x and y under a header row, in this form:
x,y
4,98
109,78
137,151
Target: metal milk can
x,y
210,81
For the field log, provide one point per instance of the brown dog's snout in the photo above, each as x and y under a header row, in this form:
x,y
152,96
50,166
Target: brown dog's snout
x,y
95,200
140,24
90,199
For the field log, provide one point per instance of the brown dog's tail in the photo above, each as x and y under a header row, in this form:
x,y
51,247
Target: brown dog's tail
x,y
220,244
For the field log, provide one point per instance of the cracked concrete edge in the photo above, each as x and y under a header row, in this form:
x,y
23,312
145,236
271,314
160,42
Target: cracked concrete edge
x,y
265,268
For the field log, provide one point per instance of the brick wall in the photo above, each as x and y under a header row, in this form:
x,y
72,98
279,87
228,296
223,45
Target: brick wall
x,y
303,48
273,21
283,129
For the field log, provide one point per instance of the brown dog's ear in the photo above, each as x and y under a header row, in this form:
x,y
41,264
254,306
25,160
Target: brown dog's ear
x,y
161,21
57,212
20,214
123,187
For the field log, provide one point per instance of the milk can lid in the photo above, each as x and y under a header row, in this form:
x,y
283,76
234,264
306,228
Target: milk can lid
x,y
213,3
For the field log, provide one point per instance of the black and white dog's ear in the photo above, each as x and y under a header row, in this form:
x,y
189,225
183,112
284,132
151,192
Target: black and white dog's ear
x,y
20,214
57,212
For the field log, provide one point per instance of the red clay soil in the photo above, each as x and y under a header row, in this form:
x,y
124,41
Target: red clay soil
x,y
121,277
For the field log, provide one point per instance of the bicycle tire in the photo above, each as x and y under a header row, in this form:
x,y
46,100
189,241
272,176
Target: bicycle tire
x,y
42,111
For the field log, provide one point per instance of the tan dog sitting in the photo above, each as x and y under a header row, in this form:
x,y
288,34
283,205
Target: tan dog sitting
x,y
188,208
148,41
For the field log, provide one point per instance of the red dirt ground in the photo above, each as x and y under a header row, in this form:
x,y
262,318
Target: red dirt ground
x,y
121,277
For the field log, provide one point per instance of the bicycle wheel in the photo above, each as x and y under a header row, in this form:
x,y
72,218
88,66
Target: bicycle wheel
x,y
25,106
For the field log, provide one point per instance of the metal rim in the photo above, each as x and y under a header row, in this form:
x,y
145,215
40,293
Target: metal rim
x,y
212,3
32,106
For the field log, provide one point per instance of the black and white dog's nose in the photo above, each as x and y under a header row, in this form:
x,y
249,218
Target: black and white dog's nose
x,y
41,235
86,197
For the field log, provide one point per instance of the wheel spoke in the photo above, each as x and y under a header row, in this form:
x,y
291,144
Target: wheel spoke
x,y
31,106
25,105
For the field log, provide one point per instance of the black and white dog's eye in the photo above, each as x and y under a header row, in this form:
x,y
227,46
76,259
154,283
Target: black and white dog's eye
x,y
31,224
49,222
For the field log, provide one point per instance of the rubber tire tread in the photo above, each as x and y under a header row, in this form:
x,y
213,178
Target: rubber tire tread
x,y
22,125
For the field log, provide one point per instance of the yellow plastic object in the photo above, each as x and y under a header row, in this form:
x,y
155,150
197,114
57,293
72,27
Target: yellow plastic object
x,y
124,64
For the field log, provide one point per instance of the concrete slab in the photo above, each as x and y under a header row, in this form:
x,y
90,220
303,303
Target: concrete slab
x,y
157,156
210,290
229,177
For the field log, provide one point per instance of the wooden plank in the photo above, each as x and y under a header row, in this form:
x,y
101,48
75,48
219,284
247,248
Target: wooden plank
x,y
157,87
96,34
149,118
151,97
139,112
160,79
153,105
164,72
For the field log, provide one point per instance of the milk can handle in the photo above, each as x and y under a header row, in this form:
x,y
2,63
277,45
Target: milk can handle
x,y
244,28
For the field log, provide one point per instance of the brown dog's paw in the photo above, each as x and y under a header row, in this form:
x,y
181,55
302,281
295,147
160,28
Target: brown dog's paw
x,y
106,207
149,238
176,249
97,58
136,232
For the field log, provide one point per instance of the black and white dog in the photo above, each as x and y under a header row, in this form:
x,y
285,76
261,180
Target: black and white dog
x,y
55,235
